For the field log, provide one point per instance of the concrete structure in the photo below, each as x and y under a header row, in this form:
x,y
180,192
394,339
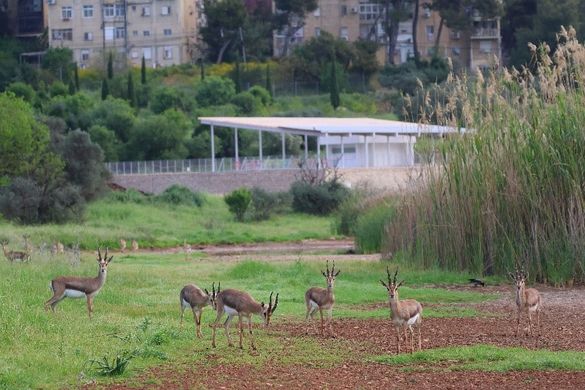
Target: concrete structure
x,y
163,31
369,142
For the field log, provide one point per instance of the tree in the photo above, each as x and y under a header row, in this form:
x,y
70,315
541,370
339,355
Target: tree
x,y
110,66
268,80
414,31
105,89
131,93
143,71
107,140
71,87
225,19
290,16
214,91
58,61
76,76
115,114
395,11
334,88
238,77
165,98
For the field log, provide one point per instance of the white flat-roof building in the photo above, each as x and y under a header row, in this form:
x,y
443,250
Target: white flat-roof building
x,y
348,142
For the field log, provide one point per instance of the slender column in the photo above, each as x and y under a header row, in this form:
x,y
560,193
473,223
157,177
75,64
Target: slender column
x,y
283,149
237,154
212,150
342,153
387,150
319,151
306,148
374,151
367,151
260,147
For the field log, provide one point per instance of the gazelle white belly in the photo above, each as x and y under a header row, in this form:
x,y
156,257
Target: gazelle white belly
x,y
533,308
413,320
185,303
69,293
313,304
230,311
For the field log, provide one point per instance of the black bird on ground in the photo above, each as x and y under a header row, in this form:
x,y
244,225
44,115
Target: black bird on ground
x,y
477,282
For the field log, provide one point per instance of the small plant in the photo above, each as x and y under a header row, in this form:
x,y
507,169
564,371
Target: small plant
x,y
265,203
179,195
115,366
238,202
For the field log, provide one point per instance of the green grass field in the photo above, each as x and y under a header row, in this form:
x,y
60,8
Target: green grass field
x,y
137,313
160,225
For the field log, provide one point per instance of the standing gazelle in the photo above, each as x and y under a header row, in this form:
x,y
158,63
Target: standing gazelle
x,y
14,255
195,298
405,314
322,298
80,287
240,303
527,299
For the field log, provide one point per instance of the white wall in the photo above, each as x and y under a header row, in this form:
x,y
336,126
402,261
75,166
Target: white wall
x,y
382,151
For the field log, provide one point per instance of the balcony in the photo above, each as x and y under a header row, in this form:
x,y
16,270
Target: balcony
x,y
483,33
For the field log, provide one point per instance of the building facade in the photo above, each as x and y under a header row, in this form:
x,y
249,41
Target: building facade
x,y
477,47
164,32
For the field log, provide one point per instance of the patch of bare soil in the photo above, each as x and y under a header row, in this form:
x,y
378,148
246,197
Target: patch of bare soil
x,y
562,329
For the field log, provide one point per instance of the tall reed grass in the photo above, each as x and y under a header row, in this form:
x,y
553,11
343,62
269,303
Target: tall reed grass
x,y
510,191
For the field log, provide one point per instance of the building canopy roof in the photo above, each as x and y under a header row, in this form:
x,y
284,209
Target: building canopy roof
x,y
328,126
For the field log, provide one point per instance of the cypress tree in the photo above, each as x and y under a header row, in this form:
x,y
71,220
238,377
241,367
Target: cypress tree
x,y
110,67
71,87
237,77
105,89
143,71
202,69
76,77
268,80
334,87
131,92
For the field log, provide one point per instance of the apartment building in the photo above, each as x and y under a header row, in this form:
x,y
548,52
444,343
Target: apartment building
x,y
479,46
22,19
164,32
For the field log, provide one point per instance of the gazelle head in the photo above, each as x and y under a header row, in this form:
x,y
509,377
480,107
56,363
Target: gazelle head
x,y
519,277
212,298
330,275
268,310
103,261
392,286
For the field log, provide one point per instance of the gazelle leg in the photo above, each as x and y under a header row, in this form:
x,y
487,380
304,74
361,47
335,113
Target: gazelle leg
x,y
182,314
397,339
411,339
419,338
330,320
241,331
214,325
89,306
197,318
529,323
226,325
517,322
322,325
251,335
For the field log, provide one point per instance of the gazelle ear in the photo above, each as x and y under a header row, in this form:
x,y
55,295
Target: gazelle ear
x,y
324,274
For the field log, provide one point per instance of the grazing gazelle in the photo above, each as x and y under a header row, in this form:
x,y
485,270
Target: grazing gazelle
x,y
14,255
322,298
240,303
527,299
122,245
405,314
195,298
80,287
134,245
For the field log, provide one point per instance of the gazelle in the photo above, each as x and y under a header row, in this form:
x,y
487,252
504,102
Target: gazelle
x,y
195,298
122,245
14,255
322,298
405,314
240,303
134,245
80,287
527,299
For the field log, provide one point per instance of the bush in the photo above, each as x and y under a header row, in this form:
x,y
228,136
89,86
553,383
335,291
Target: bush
x,y
361,198
179,195
128,196
319,199
369,229
246,103
265,204
262,94
22,90
215,91
238,202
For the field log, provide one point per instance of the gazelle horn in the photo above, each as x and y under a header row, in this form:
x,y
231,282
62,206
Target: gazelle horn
x,y
270,301
395,275
99,253
275,304
328,268
333,269
213,289
389,276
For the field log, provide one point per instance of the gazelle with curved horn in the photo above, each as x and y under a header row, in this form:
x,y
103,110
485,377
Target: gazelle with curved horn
x,y
80,287
527,300
195,298
405,314
240,303
322,298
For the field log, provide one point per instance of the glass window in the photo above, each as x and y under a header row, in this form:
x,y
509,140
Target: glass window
x,y
120,10
64,34
146,33
146,11
88,36
168,53
109,10
120,32
109,33
165,10
84,55
167,31
88,11
147,53
66,13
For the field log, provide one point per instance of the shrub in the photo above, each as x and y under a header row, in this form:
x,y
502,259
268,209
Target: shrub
x,y
265,203
22,90
215,91
261,94
369,227
128,196
179,195
238,202
246,103
318,199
